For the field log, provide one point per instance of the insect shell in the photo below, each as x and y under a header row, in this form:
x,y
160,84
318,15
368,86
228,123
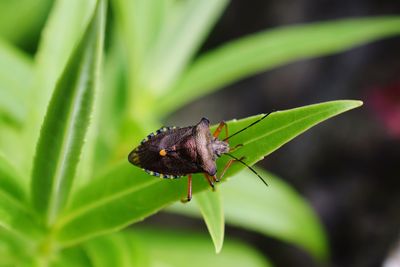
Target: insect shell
x,y
173,152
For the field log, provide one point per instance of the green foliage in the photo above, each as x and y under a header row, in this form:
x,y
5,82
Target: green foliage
x,y
10,180
276,211
109,203
213,214
198,251
13,64
64,127
65,185
65,27
21,20
13,101
269,49
281,212
147,247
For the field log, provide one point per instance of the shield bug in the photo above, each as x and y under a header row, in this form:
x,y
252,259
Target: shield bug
x,y
173,152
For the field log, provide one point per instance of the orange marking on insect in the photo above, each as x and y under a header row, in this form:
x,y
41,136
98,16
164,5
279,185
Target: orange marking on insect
x,y
163,153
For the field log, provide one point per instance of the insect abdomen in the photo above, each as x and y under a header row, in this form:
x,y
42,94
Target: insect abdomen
x,y
135,159
177,163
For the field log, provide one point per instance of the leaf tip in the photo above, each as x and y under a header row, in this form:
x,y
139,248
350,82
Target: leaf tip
x,y
358,103
218,246
350,104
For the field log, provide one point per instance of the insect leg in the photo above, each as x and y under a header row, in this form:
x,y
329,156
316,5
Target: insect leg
x,y
210,180
215,179
189,194
217,131
228,164
235,147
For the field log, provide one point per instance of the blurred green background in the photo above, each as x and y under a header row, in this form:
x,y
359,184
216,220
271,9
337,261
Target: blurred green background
x,y
333,194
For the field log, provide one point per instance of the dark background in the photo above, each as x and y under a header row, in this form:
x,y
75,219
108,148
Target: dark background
x,y
348,167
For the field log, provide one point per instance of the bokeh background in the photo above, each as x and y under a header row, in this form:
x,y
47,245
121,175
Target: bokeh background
x,y
347,167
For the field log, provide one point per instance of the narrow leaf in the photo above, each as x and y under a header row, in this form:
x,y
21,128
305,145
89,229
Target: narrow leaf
x,y
64,29
111,250
125,194
191,249
66,122
173,32
75,256
211,208
183,32
21,21
276,211
15,250
17,218
140,21
105,129
266,50
15,79
154,247
282,126
10,180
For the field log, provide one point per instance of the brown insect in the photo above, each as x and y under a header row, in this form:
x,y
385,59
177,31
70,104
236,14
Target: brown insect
x,y
173,152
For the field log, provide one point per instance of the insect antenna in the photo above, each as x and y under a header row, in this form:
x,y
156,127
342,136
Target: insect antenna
x,y
248,126
245,164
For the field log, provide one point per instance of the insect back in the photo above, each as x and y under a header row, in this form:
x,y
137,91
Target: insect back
x,y
157,153
173,152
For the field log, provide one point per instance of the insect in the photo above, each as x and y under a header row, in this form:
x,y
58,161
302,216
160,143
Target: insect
x,y
173,152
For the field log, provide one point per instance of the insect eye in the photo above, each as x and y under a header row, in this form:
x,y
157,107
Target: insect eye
x,y
163,153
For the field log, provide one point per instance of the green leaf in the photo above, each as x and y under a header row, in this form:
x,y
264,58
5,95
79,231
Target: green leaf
x,y
266,50
183,32
211,208
105,252
22,20
281,127
147,248
160,39
105,129
16,250
75,256
62,33
112,250
11,146
276,211
64,128
182,248
17,218
10,180
139,22
125,194
15,78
